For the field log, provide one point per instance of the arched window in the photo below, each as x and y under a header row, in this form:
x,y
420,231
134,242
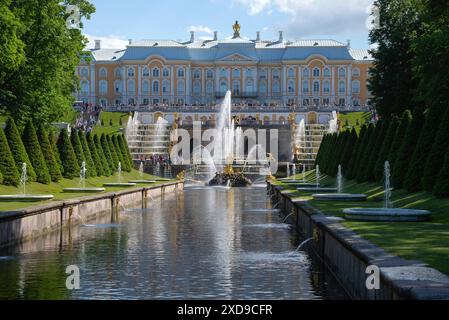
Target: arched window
x,y
276,74
236,73
146,72
131,86
326,87
103,102
291,87
156,73
316,72
85,87
263,88
103,87
156,87
356,72
291,73
131,72
327,73
196,74
165,73
306,73
165,87
180,87
146,87
249,72
210,74
118,87
180,73
249,86
305,86
196,88
103,72
118,72
356,86
223,87
223,73
236,88
84,72
342,87
263,74
276,87
316,87
342,72
210,88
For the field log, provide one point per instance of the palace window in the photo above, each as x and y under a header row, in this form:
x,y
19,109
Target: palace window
x,y
236,73
342,87
342,72
276,74
118,72
291,87
356,103
305,86
118,87
263,88
103,87
146,87
249,72
306,73
196,74
156,73
223,73
291,73
356,86
305,102
356,72
131,72
223,87
342,102
146,72
210,88
276,87
327,73
156,87
326,86
165,73
85,87
196,88
316,87
103,102
103,72
146,101
180,87
131,87
131,101
326,101
316,72
180,73
84,72
250,86
210,74
236,88
165,87
263,74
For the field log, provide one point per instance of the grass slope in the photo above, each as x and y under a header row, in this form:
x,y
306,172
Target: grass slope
x,y
354,119
106,117
425,241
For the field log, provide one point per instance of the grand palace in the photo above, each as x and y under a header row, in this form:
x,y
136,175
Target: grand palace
x,y
273,82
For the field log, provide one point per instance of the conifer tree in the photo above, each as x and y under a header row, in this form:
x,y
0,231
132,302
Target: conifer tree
x,y
35,154
104,163
95,156
8,167
18,149
49,154
1,178
54,146
376,150
124,145
428,134
90,170
67,155
385,149
435,160
77,147
121,158
115,158
402,161
350,171
107,153
363,174
399,136
441,189
350,149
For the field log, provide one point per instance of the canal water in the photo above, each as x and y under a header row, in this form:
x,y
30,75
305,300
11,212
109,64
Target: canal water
x,y
200,243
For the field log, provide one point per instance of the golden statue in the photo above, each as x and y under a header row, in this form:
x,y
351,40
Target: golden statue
x,y
236,28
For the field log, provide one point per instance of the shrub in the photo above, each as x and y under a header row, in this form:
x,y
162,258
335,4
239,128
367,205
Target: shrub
x,y
123,144
77,147
54,146
352,164
90,167
362,173
17,148
49,154
104,162
399,136
8,169
376,150
95,156
350,149
385,149
67,155
35,154
121,158
114,155
441,187
107,153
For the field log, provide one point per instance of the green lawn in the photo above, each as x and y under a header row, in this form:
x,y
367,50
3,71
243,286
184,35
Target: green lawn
x,y
425,241
56,189
106,117
354,119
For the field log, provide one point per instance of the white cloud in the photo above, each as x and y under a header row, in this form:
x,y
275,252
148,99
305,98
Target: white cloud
x,y
108,42
201,29
315,17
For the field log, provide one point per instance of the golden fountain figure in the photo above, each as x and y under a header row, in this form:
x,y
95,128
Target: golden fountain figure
x,y
236,28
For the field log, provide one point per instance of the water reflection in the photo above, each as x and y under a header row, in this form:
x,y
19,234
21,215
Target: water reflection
x,y
203,243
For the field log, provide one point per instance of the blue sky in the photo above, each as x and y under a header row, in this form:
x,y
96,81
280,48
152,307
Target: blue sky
x,y
116,21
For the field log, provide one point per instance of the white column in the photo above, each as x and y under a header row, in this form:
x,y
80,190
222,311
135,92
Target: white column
x,y
188,84
256,80
349,89
269,92
244,79
124,87
93,96
333,81
299,85
139,79
229,79
172,84
284,81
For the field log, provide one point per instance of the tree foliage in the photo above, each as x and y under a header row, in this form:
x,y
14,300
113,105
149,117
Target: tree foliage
x,y
49,154
8,167
35,154
67,155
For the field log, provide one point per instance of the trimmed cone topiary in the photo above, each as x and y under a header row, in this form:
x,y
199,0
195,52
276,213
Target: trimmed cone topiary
x,y
35,154
114,154
104,163
441,190
349,173
8,167
399,136
385,149
1,178
95,157
54,146
415,171
107,153
373,132
77,147
350,148
119,152
435,161
67,156
17,148
124,144
91,170
49,154
376,150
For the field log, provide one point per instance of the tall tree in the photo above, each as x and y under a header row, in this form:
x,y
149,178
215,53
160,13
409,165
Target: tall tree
x,y
35,154
114,153
67,156
107,153
91,170
77,147
8,167
104,163
49,154
399,136
95,156
349,150
384,153
351,168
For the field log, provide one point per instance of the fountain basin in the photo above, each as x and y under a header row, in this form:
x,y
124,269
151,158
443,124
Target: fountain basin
x,y
301,185
387,215
340,197
317,190
84,190
143,181
119,184
162,180
25,198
